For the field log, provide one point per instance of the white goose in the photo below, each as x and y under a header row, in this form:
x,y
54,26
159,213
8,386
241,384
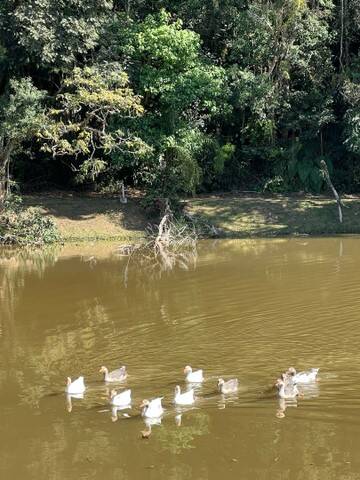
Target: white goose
x,y
75,387
303,377
152,408
193,377
186,398
122,399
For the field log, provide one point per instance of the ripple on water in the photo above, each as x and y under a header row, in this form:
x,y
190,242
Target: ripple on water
x,y
248,310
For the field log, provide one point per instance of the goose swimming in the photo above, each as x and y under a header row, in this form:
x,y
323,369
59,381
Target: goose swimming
x,y
230,386
152,408
286,390
186,398
193,377
75,387
303,377
118,375
122,399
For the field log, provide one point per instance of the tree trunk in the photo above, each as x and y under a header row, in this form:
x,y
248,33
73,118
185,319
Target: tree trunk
x,y
341,46
2,195
325,172
128,8
6,149
4,174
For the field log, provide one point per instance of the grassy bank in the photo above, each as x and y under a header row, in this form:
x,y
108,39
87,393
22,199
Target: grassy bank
x,y
92,217
248,215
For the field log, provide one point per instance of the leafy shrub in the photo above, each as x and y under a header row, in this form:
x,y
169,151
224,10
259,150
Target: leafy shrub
x,y
109,186
25,226
274,185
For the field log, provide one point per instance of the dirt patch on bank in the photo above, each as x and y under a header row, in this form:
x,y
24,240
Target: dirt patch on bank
x,y
92,217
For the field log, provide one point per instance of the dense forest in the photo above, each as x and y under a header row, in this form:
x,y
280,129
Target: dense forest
x,y
176,97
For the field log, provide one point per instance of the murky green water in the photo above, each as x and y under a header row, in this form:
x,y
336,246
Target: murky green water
x,y
245,308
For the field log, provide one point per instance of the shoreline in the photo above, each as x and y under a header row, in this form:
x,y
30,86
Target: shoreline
x,y
249,215
93,217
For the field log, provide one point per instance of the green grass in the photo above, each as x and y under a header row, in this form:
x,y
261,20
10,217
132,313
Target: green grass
x,y
92,217
266,216
87,218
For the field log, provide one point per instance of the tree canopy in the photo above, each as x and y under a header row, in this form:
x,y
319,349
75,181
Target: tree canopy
x,y
178,97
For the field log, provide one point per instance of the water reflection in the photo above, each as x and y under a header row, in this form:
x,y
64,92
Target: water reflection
x,y
178,419
118,412
284,404
15,267
227,400
69,398
149,422
310,390
179,437
245,309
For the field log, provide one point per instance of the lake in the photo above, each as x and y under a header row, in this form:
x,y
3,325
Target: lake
x,y
241,308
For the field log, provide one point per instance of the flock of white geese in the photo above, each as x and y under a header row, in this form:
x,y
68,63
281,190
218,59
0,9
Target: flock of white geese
x,y
285,385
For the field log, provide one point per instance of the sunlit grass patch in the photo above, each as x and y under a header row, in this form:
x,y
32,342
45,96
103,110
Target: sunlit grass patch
x,y
253,215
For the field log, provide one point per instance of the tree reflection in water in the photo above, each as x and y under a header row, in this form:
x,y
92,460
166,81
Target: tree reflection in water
x,y
180,436
227,311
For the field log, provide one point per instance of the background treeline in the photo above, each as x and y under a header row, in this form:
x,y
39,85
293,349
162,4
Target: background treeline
x,y
178,96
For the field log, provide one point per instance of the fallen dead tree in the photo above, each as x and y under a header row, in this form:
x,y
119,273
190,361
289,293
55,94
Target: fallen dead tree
x,y
325,173
169,244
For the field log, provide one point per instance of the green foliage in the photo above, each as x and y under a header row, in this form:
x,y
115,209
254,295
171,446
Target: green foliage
x,y
275,185
279,91
173,70
25,226
81,126
21,112
180,169
182,96
297,166
56,32
352,117
21,116
213,159
181,91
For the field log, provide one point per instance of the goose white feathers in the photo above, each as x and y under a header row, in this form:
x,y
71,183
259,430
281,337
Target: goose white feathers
x,y
122,399
75,387
152,408
118,375
303,377
230,386
193,377
286,390
186,398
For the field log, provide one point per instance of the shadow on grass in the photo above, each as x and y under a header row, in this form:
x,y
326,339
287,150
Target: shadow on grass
x,y
278,215
238,216
82,209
